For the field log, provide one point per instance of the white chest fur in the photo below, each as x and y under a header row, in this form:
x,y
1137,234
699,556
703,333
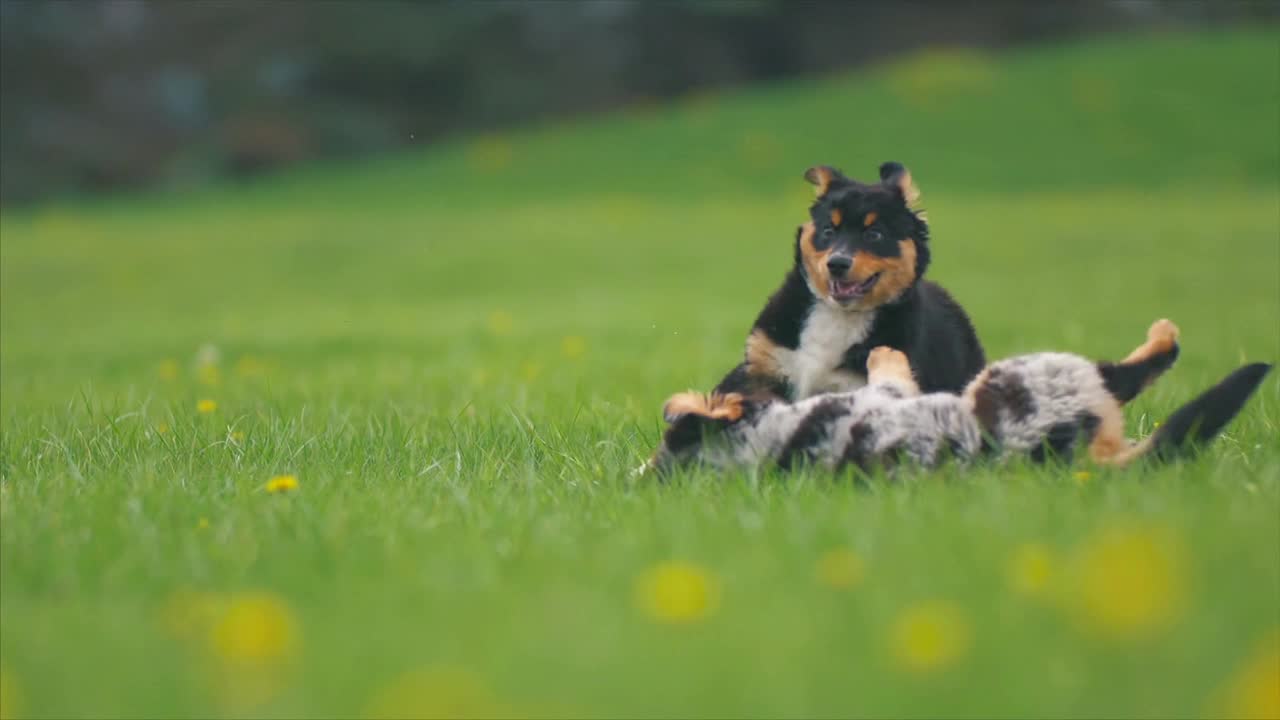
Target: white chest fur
x,y
828,332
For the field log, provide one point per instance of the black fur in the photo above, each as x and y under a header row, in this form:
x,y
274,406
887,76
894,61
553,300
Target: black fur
x,y
811,432
924,322
1061,440
1124,382
1200,420
859,452
1001,391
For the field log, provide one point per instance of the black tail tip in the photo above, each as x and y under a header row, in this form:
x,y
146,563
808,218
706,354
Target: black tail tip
x,y
1253,372
1200,420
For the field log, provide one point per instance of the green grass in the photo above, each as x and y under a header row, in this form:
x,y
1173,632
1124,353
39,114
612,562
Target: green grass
x,y
462,352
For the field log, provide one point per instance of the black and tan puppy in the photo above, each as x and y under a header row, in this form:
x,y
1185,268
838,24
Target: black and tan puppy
x,y
857,284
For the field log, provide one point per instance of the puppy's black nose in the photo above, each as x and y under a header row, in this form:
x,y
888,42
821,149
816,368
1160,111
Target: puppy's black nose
x,y
839,264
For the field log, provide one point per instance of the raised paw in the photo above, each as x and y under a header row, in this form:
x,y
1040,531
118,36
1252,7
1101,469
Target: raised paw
x,y
887,359
1162,335
884,364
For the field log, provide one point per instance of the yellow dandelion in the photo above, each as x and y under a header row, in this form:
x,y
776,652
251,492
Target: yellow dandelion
x,y
1129,581
435,692
208,374
840,568
281,483
930,636
500,323
1082,477
573,347
206,406
530,371
237,436
202,524
1030,569
1254,690
169,370
249,366
254,628
162,428
10,697
677,592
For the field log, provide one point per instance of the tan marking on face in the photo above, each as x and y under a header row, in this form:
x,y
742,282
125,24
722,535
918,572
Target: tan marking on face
x,y
884,364
714,406
836,217
762,359
821,177
815,262
869,219
896,273
1162,336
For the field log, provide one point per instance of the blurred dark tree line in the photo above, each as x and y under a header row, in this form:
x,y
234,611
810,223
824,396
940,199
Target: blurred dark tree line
x,y
98,95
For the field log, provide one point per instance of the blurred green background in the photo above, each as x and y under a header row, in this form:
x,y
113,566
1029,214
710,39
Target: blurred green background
x,y
354,437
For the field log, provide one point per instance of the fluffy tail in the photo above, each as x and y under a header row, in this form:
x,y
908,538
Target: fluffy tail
x,y
1199,421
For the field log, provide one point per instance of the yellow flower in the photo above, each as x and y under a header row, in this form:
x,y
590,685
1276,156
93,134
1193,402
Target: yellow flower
x,y
162,428
930,636
10,698
1082,476
1254,690
530,371
1030,569
206,406
248,366
500,323
202,524
282,483
840,568
237,436
677,592
435,692
169,370
573,347
254,628
1128,581
208,374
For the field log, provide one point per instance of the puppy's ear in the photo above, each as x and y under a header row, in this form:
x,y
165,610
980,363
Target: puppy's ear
x,y
823,177
894,175
712,407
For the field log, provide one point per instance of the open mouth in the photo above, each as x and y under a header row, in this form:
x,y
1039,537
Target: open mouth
x,y
846,291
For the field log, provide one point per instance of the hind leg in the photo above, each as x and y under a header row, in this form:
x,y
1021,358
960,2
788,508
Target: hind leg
x,y
1125,379
1109,445
886,366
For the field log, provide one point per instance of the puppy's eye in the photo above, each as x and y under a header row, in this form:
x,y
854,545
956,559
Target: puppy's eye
x,y
872,236
827,233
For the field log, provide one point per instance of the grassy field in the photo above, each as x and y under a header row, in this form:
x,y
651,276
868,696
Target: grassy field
x,y
454,357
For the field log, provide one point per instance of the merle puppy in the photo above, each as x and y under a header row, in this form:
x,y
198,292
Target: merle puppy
x,y
856,284
1036,406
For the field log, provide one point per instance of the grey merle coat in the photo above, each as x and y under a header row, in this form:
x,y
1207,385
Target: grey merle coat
x,y
1036,406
